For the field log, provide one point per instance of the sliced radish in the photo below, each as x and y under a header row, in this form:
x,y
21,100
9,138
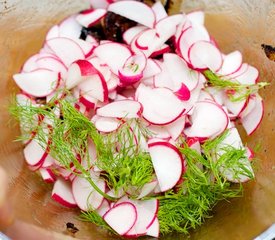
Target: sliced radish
x,y
78,72
38,83
231,63
106,124
159,11
253,119
132,32
147,189
47,175
196,17
235,107
203,54
160,105
168,164
86,197
30,65
176,128
95,87
136,11
70,28
208,120
113,54
104,207
234,173
152,68
60,47
122,217
146,213
145,38
190,36
250,76
88,101
62,193
90,17
52,64
153,230
121,109
53,32
133,68
86,47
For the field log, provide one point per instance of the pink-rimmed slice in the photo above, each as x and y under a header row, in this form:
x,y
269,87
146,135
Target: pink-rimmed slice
x,y
234,173
153,229
95,86
78,72
104,207
152,68
136,11
52,64
113,54
252,120
47,175
144,39
231,63
90,17
250,76
132,71
175,128
196,17
122,217
38,83
67,50
70,28
146,213
208,120
132,32
62,193
160,105
190,36
106,124
235,107
147,189
53,32
159,11
168,164
30,64
86,197
203,55
121,109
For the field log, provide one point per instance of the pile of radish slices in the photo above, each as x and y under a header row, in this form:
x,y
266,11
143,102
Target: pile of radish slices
x,y
144,78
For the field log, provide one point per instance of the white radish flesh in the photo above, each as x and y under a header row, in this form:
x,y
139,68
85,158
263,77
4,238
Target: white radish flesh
x,y
62,193
168,164
90,17
122,217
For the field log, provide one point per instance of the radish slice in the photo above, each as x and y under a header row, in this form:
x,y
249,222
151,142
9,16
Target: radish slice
x,y
152,68
234,173
231,63
30,65
146,213
131,33
203,55
90,17
53,32
62,193
121,109
147,189
70,28
208,120
168,164
95,86
159,11
104,207
250,76
196,17
86,197
39,83
153,230
60,47
190,36
122,217
106,124
136,11
175,128
145,38
133,68
235,107
160,105
34,153
78,72
253,119
52,64
47,175
113,54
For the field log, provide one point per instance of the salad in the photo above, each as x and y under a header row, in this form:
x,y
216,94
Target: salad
x,y
131,115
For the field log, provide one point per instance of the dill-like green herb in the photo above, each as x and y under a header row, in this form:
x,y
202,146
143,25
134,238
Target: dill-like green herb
x,y
202,187
235,90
